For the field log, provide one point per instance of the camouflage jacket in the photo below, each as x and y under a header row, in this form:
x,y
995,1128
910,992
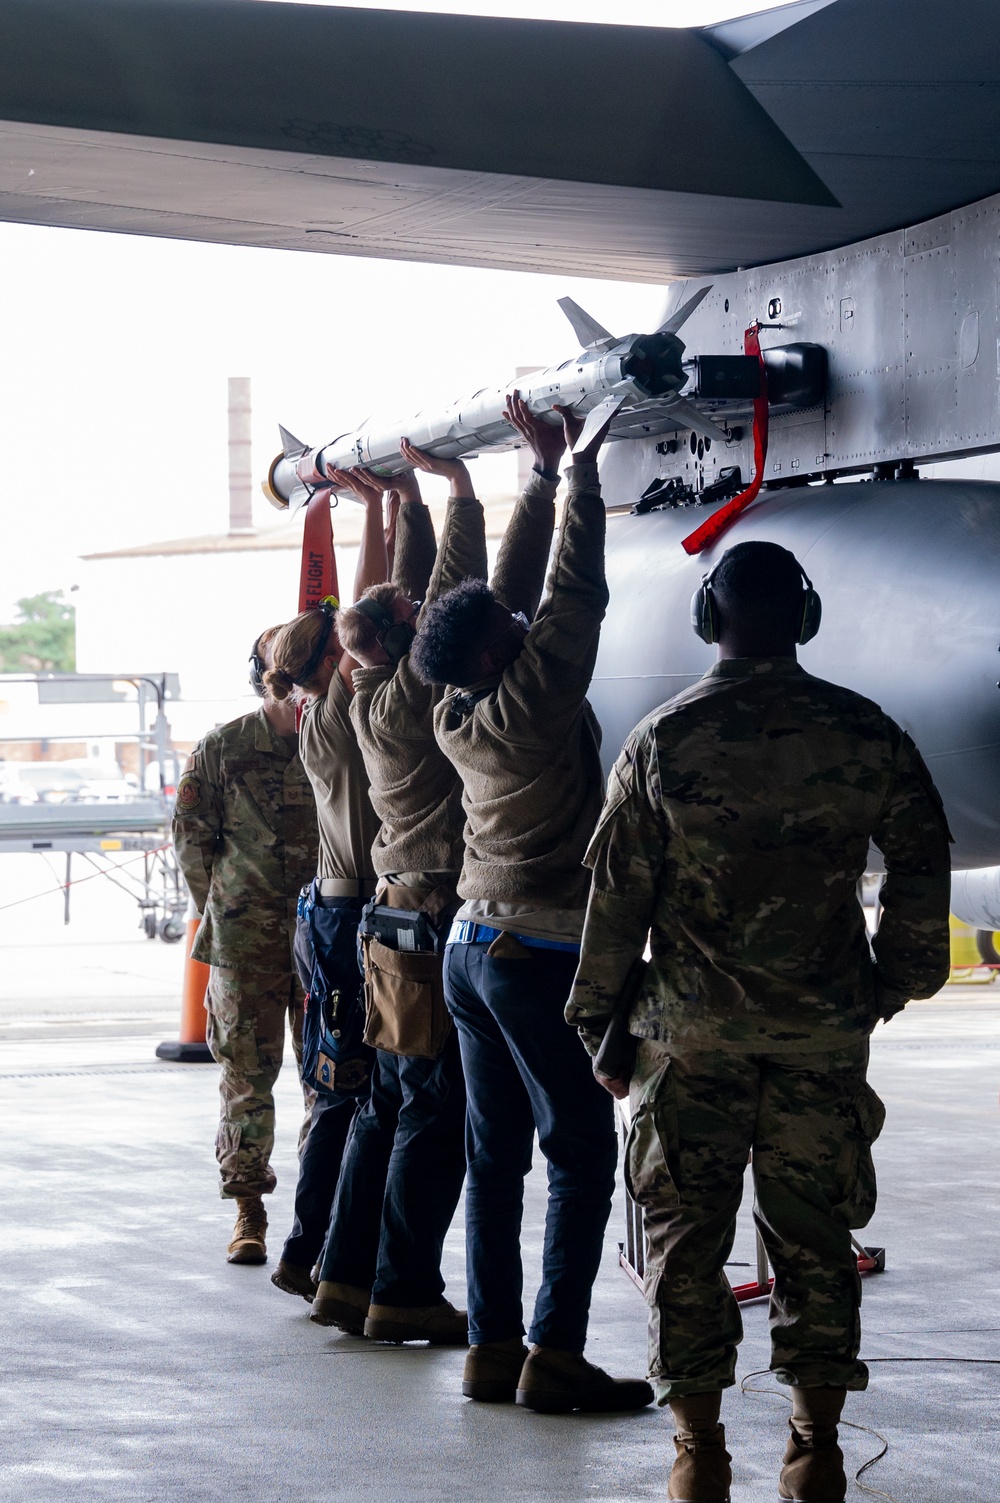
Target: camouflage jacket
x,y
415,790
735,831
526,743
244,830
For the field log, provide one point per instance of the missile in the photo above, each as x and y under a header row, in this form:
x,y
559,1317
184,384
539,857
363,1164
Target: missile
x,y
611,377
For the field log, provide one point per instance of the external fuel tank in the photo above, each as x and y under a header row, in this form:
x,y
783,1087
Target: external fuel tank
x,y
909,575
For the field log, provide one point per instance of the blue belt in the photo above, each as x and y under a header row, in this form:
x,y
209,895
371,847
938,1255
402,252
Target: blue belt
x,y
468,932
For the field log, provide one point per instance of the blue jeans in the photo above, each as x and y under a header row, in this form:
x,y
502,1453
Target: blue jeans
x,y
526,1070
401,1181
334,1111
319,1169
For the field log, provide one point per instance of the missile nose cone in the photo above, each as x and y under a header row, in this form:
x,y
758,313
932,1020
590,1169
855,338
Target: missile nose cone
x,y
270,488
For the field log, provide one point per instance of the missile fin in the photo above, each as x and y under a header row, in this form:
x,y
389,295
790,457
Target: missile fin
x,y
688,416
300,495
292,447
587,330
680,315
597,417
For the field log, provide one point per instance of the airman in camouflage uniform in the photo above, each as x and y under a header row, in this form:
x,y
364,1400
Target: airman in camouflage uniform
x,y
733,838
244,829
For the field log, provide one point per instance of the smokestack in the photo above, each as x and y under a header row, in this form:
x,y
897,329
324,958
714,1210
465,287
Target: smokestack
x,y
240,477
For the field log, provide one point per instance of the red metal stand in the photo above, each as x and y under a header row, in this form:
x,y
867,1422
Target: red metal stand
x,y
870,1260
632,1252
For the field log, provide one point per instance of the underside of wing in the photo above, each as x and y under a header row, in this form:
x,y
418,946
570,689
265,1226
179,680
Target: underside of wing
x,y
640,153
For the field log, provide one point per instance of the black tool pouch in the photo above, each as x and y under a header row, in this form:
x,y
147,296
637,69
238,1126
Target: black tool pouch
x,y
335,1059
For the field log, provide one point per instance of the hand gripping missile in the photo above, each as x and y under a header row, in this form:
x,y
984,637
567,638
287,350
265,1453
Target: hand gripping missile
x,y
610,377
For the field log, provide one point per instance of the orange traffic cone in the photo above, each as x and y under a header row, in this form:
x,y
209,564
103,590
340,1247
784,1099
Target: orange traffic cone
x,y
190,1048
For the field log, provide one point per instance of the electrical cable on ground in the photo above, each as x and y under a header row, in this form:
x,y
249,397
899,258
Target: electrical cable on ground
x,y
875,1492
76,881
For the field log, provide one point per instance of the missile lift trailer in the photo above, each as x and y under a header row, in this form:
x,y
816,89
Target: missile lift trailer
x,y
101,832
98,833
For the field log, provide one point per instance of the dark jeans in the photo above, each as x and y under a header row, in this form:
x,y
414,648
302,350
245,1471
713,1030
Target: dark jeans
x,y
319,1170
401,1180
525,1069
323,1151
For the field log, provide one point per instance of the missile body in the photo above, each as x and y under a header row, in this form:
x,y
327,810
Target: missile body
x,y
636,369
608,376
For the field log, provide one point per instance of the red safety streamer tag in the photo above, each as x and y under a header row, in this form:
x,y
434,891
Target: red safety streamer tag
x,y
319,562
718,522
318,575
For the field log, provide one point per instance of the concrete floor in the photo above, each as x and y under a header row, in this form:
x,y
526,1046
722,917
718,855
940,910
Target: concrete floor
x,y
138,1365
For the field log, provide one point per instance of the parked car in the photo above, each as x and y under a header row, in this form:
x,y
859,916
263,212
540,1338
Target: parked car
x,y
80,781
104,782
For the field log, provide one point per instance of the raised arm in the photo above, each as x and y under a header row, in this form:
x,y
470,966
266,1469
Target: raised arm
x,y
373,559
391,520
519,574
552,673
416,547
912,946
461,553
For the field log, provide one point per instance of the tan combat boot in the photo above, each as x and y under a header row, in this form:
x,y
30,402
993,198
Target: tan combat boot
x,y
248,1244
342,1305
814,1464
701,1473
557,1382
492,1369
441,1325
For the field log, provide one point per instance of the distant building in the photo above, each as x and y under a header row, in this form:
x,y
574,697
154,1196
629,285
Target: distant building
x,y
193,606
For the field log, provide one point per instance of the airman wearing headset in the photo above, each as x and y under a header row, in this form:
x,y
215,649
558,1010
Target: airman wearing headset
x,y
244,830
736,829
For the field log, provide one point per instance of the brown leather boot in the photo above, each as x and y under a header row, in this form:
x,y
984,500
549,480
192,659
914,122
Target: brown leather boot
x,y
556,1382
292,1279
814,1464
249,1234
441,1325
341,1305
701,1473
492,1369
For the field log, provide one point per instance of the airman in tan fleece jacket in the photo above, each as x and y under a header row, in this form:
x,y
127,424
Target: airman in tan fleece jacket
x,y
527,743
415,790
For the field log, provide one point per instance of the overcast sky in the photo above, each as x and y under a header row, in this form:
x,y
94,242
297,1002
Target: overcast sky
x,y
116,351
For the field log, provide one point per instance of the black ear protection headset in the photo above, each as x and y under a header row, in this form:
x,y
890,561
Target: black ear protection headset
x,y
394,637
257,670
329,607
705,615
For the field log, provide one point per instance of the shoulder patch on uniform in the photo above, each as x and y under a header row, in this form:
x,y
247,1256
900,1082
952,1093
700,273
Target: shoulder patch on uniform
x,y
188,793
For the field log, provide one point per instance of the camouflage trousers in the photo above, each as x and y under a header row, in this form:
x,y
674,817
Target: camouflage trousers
x,y
809,1121
246,1034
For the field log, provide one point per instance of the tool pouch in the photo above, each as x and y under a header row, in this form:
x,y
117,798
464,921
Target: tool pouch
x,y
335,1060
405,1011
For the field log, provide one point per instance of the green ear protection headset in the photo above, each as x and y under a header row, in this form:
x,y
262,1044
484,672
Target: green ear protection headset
x,y
394,637
705,616
257,670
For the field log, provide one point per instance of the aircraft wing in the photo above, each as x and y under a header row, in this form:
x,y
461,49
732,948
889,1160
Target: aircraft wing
x,y
627,152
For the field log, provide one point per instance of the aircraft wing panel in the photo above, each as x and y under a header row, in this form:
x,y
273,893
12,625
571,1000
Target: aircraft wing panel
x,y
640,107
630,153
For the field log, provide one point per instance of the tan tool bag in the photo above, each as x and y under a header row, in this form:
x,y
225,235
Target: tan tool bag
x,y
404,990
